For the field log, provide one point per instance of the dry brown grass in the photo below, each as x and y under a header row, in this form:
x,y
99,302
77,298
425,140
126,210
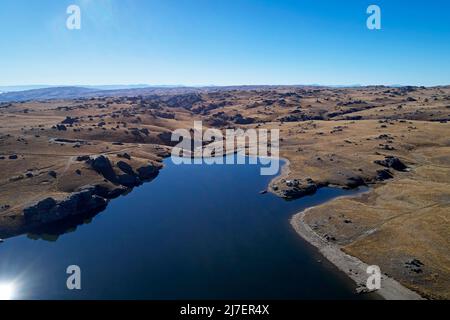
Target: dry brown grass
x,y
336,135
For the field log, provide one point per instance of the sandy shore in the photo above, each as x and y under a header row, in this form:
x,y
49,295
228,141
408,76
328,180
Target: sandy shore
x,y
352,266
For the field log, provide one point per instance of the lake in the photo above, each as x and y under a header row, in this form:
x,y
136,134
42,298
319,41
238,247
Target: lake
x,y
195,232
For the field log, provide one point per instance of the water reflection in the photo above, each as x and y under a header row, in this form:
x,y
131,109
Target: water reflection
x,y
52,232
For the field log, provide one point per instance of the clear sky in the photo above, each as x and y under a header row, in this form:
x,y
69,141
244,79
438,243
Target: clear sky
x,y
224,42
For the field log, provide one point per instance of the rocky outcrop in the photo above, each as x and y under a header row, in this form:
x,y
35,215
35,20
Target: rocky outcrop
x,y
125,167
103,166
129,180
50,210
83,158
300,191
109,193
414,265
392,162
384,174
52,174
124,155
294,189
90,199
166,139
239,119
185,101
300,117
69,120
147,172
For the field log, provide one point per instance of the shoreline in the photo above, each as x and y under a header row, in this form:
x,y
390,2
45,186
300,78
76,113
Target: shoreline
x,y
89,200
354,268
284,172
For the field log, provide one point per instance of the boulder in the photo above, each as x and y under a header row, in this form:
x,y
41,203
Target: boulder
x,y
128,180
69,121
83,158
384,174
52,174
147,172
415,265
125,167
124,155
292,183
166,138
145,131
103,166
392,162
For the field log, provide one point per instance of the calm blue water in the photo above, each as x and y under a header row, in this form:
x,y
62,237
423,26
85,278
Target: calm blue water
x,y
195,232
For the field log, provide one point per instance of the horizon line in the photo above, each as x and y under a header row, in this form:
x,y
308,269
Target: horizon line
x,y
144,85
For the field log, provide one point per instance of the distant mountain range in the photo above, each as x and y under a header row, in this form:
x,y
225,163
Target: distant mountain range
x,y
14,94
5,89
45,94
76,92
36,92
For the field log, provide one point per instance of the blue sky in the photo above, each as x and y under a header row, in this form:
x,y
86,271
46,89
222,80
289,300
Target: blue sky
x,y
224,42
